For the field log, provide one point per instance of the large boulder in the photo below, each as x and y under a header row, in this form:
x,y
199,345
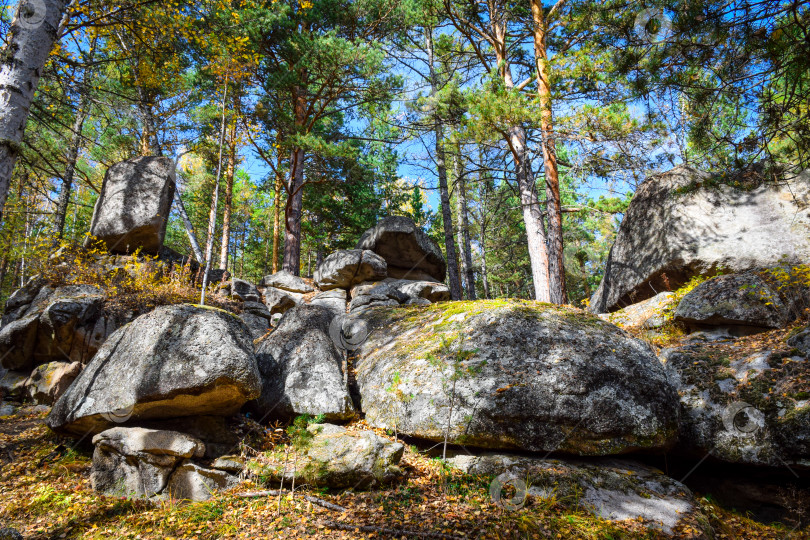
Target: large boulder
x,y
513,374
337,458
133,208
742,403
408,251
49,381
302,368
175,361
682,223
610,488
244,291
286,282
348,267
742,303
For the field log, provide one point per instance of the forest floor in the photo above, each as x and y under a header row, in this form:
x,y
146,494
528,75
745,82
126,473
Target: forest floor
x,y
45,493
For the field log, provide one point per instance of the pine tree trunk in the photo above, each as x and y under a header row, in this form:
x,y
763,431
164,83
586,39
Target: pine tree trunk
x,y
67,179
277,216
556,266
444,194
483,187
292,214
532,217
464,226
28,44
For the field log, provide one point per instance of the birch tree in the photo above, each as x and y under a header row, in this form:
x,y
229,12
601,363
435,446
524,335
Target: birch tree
x,y
33,33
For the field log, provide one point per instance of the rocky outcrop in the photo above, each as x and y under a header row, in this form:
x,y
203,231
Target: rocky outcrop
x,y
49,381
347,267
512,374
741,404
55,325
741,303
683,223
175,361
302,369
408,251
612,489
337,458
257,317
133,208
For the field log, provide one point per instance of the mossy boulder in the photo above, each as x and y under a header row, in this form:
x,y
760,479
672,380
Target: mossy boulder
x,y
612,489
742,404
513,374
332,456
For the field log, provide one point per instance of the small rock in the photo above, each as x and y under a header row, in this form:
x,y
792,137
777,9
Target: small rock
x,y
193,482
49,381
244,291
286,282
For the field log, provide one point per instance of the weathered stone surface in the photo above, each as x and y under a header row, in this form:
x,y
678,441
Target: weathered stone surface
x,y
519,374
49,381
347,267
137,462
334,300
429,290
384,294
191,481
301,368
8,533
257,325
801,340
278,301
17,339
612,489
741,405
231,464
175,361
21,298
646,314
47,329
679,226
257,317
286,282
12,384
214,431
338,458
409,252
133,208
738,300
244,291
